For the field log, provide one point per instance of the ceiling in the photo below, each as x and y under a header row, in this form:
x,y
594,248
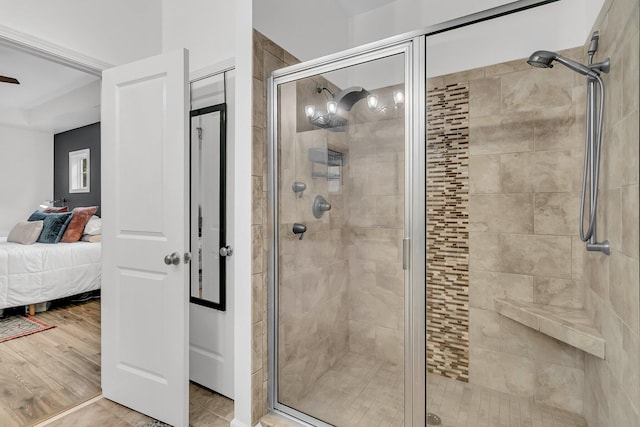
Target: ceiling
x,y
43,99
356,7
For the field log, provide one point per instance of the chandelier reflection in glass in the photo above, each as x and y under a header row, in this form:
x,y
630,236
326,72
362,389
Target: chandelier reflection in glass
x,y
345,100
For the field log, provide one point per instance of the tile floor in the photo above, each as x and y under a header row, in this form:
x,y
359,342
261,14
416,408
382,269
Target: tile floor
x,y
357,391
360,391
464,405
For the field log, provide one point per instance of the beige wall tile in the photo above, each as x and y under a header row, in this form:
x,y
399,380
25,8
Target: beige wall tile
x,y
501,134
505,213
559,386
256,249
256,347
630,371
484,329
597,271
538,255
484,174
501,371
609,217
622,411
556,213
484,252
558,171
486,286
577,258
362,337
623,289
559,128
517,172
630,69
484,97
620,145
561,292
629,230
521,340
534,89
390,345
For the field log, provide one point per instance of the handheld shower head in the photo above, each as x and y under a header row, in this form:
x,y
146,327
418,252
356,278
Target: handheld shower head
x,y
541,59
544,59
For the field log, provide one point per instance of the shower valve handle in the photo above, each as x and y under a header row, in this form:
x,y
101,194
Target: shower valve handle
x,y
299,229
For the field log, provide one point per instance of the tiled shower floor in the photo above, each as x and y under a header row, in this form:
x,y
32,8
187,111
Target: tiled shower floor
x,y
361,391
464,405
357,391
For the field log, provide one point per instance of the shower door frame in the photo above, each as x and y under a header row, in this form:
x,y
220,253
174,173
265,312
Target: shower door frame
x,y
414,251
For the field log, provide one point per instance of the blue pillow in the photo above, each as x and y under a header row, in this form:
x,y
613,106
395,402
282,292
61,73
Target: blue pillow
x,y
53,226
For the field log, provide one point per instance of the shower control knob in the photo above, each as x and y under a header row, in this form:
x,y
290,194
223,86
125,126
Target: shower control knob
x,y
299,229
320,206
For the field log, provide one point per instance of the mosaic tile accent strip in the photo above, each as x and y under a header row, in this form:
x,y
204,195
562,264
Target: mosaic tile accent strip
x,y
448,231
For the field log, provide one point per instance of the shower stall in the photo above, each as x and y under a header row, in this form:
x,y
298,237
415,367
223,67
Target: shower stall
x,y
426,263
347,256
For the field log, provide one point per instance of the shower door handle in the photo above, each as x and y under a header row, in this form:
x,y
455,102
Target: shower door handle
x,y
406,251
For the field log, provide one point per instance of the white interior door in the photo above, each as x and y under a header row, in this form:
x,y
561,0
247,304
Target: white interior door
x,y
145,301
211,356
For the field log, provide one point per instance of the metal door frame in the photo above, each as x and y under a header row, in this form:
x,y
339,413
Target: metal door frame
x,y
414,238
413,44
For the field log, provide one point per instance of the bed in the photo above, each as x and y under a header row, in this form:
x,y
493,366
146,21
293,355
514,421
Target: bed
x,y
41,272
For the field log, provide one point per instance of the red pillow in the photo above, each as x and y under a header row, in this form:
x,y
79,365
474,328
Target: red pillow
x,y
56,209
80,217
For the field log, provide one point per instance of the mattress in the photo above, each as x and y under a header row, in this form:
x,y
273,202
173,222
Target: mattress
x,y
30,274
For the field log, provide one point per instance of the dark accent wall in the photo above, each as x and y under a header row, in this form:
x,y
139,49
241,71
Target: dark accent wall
x,y
72,140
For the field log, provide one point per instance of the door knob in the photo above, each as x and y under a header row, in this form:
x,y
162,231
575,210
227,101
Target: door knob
x,y
174,259
226,251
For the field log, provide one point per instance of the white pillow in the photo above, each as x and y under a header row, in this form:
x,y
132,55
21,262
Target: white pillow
x,y
94,226
26,232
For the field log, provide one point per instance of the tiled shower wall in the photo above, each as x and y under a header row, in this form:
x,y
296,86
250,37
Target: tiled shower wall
x,y
374,212
524,156
448,229
267,57
313,272
342,285
612,386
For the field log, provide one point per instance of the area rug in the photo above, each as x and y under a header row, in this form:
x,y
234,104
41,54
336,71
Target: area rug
x,y
20,326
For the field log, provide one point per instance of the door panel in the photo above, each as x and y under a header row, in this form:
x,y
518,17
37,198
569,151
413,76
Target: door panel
x,y
145,316
211,356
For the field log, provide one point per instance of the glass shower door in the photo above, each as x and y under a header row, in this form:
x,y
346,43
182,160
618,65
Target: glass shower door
x,y
339,288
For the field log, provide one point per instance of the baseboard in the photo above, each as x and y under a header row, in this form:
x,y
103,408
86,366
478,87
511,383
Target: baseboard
x,y
236,423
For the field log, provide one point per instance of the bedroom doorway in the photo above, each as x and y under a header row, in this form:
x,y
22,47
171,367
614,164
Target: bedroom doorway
x,y
44,369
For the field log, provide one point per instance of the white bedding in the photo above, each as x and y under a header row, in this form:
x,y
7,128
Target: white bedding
x,y
30,274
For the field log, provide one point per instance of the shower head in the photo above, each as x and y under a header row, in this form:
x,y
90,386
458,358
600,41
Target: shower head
x,y
544,59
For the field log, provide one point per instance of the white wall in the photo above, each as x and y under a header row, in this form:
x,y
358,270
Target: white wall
x,y
554,26
26,174
306,29
205,27
114,31
319,31
216,31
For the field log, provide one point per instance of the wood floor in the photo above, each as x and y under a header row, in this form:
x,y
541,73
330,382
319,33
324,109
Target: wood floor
x,y
49,372
206,409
